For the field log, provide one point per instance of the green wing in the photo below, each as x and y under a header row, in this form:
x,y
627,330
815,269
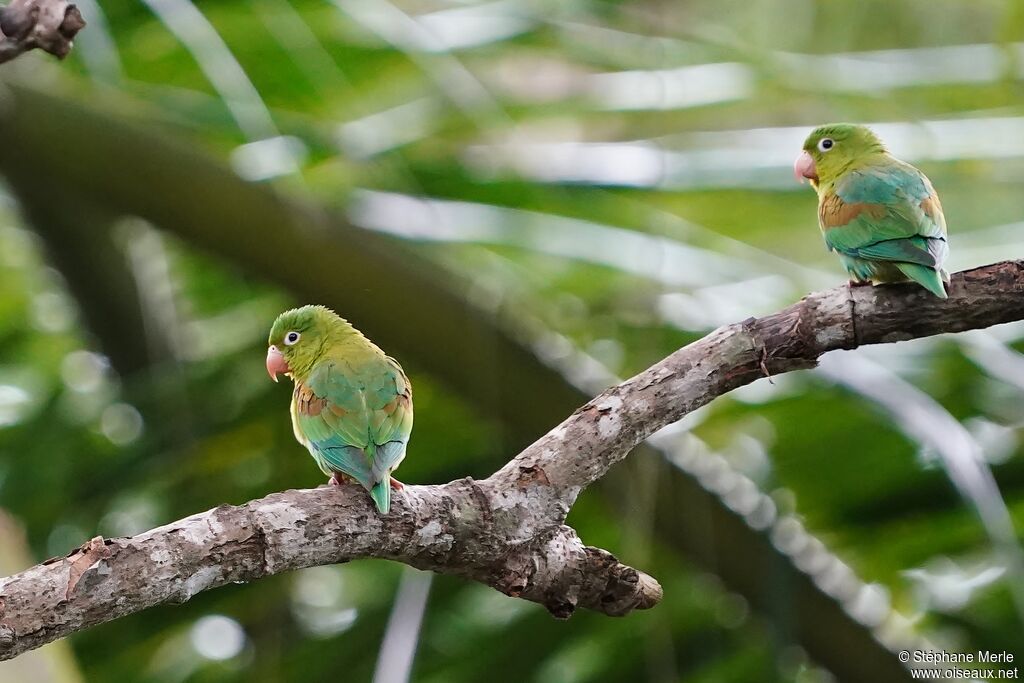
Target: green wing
x,y
355,416
888,213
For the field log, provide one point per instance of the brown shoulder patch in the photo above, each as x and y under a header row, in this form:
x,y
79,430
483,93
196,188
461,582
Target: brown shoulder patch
x,y
833,212
306,402
932,208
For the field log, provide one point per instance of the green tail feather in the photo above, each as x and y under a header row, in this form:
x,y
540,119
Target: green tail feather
x,y
381,494
927,277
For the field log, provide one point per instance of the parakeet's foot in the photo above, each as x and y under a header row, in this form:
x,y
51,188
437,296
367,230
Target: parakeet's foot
x,y
397,485
859,283
339,479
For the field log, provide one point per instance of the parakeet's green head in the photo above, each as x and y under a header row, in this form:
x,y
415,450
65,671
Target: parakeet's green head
x,y
831,149
299,338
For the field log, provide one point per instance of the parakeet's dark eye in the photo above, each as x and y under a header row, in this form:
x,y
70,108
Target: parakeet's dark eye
x,y
291,338
825,144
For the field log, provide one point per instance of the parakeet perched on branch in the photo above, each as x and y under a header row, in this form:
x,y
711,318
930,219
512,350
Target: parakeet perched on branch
x,y
879,214
352,404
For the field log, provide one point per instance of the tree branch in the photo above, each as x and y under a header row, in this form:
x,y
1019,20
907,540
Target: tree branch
x,y
47,24
507,531
460,528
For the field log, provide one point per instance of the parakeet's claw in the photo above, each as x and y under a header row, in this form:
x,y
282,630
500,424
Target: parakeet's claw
x,y
339,479
397,485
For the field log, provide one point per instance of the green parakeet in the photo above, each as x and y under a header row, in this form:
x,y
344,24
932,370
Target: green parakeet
x,y
352,404
879,214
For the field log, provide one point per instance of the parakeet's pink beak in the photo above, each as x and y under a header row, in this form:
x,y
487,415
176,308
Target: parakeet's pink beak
x,y
804,168
276,364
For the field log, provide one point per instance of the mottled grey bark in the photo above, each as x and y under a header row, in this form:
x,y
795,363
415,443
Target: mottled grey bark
x,y
508,530
50,25
466,528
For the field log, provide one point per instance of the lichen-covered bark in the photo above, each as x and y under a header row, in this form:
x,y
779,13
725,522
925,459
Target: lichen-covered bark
x,y
506,531
453,528
50,25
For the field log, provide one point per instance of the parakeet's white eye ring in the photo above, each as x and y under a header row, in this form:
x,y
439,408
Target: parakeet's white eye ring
x,y
291,338
825,144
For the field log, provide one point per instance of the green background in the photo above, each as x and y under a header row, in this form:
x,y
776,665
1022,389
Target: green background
x,y
521,201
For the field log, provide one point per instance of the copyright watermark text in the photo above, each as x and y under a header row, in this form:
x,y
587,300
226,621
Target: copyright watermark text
x,y
938,665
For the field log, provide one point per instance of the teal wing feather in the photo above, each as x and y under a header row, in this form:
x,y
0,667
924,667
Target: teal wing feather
x,y
909,250
356,418
929,278
887,213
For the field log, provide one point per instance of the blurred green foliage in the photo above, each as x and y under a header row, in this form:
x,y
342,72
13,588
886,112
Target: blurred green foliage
x,y
613,197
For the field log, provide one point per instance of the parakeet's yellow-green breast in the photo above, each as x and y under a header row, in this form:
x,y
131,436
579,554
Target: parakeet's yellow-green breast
x,y
352,404
879,214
